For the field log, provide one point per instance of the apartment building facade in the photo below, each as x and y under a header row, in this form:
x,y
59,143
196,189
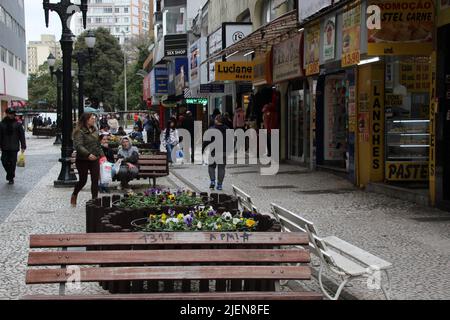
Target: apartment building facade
x,y
13,54
38,51
123,18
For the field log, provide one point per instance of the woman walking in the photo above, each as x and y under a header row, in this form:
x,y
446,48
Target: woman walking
x,y
89,151
170,138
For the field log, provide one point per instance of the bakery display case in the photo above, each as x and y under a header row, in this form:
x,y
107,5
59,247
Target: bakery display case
x,y
407,140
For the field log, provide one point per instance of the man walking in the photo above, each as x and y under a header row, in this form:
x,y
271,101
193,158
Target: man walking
x,y
12,139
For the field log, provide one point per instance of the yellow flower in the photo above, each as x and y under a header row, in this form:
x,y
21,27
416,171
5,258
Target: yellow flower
x,y
219,227
180,217
171,197
250,223
152,217
163,217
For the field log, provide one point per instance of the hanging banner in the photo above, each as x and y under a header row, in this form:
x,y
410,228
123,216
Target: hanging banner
x,y
443,12
262,69
287,60
312,50
407,28
234,71
351,36
329,36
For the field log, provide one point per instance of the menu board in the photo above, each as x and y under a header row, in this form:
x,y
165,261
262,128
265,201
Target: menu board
x,y
415,74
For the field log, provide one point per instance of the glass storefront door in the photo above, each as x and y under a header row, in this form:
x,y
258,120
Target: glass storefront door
x,y
297,127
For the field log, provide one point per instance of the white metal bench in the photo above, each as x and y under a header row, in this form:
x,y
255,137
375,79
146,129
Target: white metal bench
x,y
245,201
341,258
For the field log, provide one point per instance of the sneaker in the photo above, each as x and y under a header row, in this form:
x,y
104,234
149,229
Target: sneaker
x,y
212,186
219,187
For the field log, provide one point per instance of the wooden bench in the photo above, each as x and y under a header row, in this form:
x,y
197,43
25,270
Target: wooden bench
x,y
150,166
242,266
245,201
44,132
336,255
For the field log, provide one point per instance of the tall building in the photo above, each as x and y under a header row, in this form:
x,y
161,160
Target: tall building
x,y
123,18
13,54
38,51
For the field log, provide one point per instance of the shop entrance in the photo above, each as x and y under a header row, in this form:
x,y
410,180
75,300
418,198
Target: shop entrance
x,y
298,127
335,122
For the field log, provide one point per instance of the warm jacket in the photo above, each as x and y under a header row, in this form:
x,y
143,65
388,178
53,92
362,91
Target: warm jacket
x,y
173,138
12,135
223,129
130,155
270,117
86,142
239,118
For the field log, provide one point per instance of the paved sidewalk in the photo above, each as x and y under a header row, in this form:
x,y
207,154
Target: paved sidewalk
x,y
415,239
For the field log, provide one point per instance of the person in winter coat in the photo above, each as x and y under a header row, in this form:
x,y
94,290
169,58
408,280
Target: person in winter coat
x,y
239,118
189,125
170,138
129,156
89,152
109,154
12,138
151,127
270,123
219,125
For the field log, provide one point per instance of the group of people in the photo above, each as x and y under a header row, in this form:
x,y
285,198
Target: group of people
x,y
92,149
39,121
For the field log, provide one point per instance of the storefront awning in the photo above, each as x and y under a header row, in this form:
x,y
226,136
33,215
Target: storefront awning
x,y
264,38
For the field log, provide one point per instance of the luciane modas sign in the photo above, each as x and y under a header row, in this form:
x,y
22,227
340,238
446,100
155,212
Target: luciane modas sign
x,y
234,71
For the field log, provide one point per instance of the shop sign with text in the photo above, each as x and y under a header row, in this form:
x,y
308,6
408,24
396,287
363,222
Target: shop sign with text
x,y
407,28
407,171
312,50
234,71
351,35
287,60
329,36
262,69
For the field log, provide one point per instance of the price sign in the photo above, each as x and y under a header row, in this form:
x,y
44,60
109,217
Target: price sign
x,y
350,59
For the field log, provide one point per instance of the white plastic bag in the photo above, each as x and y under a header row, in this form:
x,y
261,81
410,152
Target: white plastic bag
x,y
106,173
117,166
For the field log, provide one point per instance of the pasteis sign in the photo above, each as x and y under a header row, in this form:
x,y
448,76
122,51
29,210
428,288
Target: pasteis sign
x,y
406,28
234,71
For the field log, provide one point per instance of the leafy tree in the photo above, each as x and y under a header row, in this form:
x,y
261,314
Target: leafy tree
x,y
107,65
41,89
137,52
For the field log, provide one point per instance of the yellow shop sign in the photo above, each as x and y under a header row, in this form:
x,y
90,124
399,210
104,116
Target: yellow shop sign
x,y
407,171
234,71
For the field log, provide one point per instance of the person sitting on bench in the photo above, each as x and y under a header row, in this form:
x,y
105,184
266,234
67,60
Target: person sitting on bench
x,y
129,157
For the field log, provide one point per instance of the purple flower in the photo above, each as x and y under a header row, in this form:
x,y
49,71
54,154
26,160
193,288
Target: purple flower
x,y
212,213
171,212
188,220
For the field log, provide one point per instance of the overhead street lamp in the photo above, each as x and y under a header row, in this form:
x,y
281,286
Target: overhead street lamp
x,y
65,10
51,60
82,57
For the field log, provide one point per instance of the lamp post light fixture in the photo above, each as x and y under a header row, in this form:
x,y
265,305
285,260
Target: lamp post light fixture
x,y
82,57
65,10
51,60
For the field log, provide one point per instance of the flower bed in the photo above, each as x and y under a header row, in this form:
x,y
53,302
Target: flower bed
x,y
200,219
157,199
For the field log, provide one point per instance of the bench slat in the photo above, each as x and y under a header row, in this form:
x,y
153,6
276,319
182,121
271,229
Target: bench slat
x,y
249,296
167,256
176,238
153,162
356,253
47,276
152,168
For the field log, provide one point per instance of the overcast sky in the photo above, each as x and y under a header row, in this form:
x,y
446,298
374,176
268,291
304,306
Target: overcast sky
x,y
35,21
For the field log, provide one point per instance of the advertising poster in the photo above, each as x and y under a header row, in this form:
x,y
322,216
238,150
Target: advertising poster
x,y
287,60
194,62
351,35
406,26
312,49
415,74
329,36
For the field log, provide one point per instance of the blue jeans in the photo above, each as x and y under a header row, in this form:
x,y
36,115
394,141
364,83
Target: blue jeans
x,y
169,148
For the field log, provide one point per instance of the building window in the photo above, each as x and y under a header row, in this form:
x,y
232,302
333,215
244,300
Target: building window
x,y
11,59
3,54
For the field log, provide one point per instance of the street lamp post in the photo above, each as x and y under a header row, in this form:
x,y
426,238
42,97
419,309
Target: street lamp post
x,y
51,60
66,9
82,57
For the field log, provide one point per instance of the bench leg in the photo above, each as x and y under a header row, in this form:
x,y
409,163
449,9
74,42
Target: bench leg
x,y
387,291
338,292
